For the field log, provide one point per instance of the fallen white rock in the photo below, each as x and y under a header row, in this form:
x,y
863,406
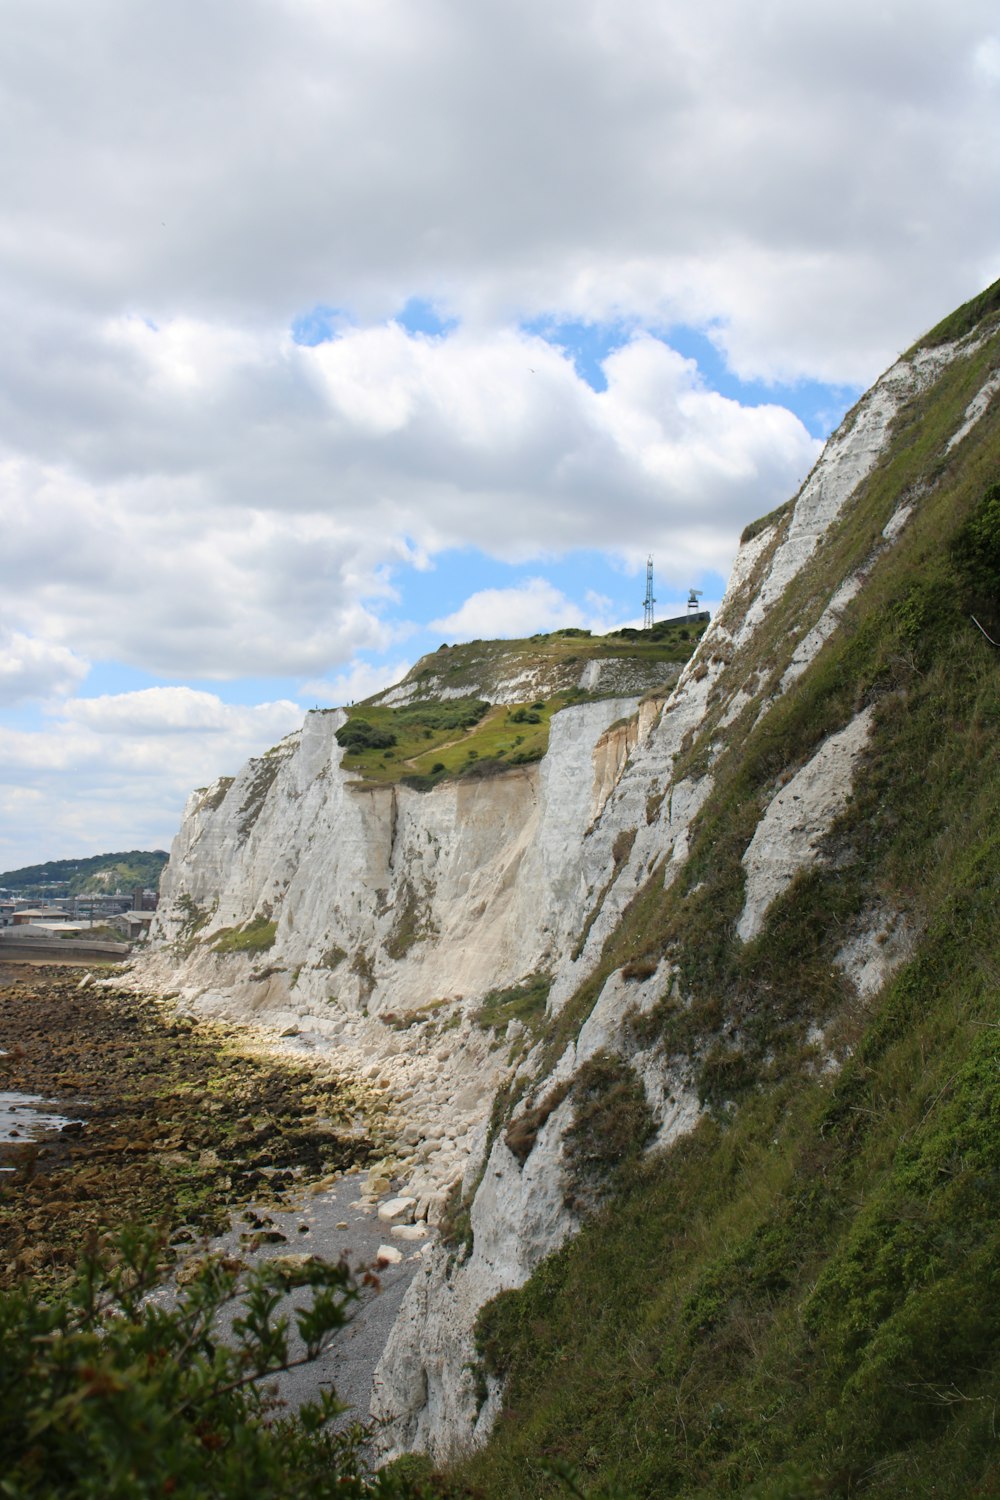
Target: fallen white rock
x,y
397,1208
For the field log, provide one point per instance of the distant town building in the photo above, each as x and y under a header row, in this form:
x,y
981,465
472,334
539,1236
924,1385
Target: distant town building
x,y
137,924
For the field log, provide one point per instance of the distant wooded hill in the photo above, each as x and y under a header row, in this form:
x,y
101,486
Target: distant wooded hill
x,y
101,872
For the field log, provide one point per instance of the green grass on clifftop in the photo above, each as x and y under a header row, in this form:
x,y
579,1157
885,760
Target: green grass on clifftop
x,y
428,742
432,738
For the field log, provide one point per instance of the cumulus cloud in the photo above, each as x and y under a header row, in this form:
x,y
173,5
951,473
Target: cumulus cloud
x,y
360,681
121,766
529,607
152,712
168,573
270,548
175,731
32,668
595,155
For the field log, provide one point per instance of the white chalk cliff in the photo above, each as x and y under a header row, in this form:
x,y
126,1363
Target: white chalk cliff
x,y
390,901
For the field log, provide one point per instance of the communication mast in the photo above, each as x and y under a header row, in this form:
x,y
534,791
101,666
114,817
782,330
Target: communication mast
x,y
693,597
649,601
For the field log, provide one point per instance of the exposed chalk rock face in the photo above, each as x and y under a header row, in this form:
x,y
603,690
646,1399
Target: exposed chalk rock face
x,y
623,676
653,807
787,837
667,1086
833,615
388,903
500,675
845,463
873,954
518,1217
976,409
386,897
828,622
396,912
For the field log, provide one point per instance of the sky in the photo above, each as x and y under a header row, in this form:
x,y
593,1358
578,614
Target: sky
x,y
336,329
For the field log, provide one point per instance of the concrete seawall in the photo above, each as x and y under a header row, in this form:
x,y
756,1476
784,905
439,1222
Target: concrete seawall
x,y
54,948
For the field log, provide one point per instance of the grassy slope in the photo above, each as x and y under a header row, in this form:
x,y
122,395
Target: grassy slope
x,y
563,652
426,736
136,867
424,744
802,1298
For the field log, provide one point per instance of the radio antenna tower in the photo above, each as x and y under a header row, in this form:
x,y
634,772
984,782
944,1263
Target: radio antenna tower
x,y
649,601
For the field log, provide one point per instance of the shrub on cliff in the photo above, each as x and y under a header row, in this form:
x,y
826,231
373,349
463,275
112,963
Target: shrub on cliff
x,y
358,734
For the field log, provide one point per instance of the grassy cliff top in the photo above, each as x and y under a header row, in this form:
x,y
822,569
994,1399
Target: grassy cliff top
x,y
475,709
982,309
539,665
428,742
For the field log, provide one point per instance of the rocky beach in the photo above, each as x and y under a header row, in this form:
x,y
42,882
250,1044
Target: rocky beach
x,y
118,1111
160,1119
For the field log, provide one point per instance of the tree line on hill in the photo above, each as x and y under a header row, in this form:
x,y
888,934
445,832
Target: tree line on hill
x,y
98,872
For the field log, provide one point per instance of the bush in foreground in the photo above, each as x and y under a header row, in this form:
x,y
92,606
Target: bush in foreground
x,y
104,1393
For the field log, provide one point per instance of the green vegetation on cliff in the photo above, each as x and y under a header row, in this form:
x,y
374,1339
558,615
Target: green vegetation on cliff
x,y
800,1298
424,743
553,661
436,735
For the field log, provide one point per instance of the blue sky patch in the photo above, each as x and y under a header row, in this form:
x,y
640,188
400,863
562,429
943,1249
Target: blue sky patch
x,y
113,677
586,344
441,590
319,325
819,407
418,315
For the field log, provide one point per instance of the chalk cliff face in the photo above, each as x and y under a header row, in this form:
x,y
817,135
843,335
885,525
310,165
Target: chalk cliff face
x,y
394,904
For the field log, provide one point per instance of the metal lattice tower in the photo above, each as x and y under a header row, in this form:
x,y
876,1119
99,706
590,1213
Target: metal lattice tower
x,y
649,601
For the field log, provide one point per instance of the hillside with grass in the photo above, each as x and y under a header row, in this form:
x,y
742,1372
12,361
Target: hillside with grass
x,y
474,709
97,873
683,989
562,662
800,1297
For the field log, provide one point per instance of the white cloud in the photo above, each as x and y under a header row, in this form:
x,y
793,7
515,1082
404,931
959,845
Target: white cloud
x,y
152,712
591,155
986,59
525,609
170,574
115,771
264,549
32,669
181,734
359,681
